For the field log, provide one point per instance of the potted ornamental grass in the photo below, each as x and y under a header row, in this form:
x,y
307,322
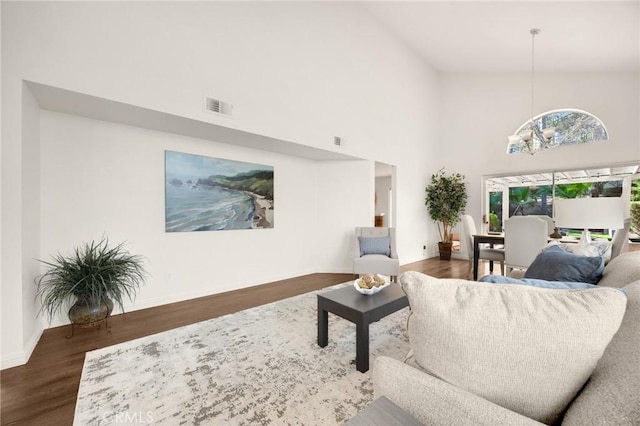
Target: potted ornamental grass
x,y
446,201
90,281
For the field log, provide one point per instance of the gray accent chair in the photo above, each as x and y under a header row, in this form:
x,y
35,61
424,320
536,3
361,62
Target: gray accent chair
x,y
376,263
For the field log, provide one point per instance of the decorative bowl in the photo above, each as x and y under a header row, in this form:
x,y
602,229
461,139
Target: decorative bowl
x,y
372,290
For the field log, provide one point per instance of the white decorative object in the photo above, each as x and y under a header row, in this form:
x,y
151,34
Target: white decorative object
x,y
372,290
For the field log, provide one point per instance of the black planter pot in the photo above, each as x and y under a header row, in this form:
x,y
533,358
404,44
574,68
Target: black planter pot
x,y
445,250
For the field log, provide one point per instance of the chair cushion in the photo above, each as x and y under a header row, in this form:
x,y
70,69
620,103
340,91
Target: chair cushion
x,y
524,348
380,245
611,396
491,254
376,264
555,264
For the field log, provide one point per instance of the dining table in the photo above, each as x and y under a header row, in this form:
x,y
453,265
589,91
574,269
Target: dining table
x,y
491,239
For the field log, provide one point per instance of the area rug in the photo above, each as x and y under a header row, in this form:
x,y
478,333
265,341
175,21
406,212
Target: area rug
x,y
261,366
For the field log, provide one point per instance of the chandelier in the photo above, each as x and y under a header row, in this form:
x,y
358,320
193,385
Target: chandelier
x,y
533,136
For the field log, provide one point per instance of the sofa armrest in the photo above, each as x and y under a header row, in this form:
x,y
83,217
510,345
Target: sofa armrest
x,y
435,402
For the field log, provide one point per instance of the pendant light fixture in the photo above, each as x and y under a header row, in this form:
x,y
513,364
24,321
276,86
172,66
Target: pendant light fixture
x,y
532,137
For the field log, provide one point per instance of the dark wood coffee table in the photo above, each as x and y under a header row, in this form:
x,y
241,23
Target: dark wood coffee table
x,y
361,310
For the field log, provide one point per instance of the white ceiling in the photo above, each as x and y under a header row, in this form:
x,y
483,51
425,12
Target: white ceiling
x,y
493,36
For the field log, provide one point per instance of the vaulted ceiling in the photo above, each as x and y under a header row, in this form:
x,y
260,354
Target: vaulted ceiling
x,y
493,36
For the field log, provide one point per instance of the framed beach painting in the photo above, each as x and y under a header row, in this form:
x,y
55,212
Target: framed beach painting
x,y
213,194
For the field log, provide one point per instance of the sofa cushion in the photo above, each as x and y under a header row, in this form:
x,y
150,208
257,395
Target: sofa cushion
x,y
525,348
555,264
432,401
622,270
612,396
370,245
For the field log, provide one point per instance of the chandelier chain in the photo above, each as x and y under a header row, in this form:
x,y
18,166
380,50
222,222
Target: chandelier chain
x,y
534,32
531,141
553,128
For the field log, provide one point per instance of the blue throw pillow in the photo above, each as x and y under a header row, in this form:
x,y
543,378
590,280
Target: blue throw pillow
x,y
563,285
555,264
380,245
499,279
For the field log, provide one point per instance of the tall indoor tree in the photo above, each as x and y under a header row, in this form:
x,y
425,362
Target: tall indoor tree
x,y
446,201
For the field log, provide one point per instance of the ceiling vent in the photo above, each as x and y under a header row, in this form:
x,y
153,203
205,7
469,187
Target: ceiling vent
x,y
217,106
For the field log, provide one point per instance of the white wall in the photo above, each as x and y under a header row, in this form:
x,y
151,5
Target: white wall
x,y
100,178
479,111
31,209
301,72
2,306
345,200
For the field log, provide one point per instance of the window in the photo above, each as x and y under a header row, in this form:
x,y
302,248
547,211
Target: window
x,y
533,194
571,126
585,190
526,200
635,211
495,211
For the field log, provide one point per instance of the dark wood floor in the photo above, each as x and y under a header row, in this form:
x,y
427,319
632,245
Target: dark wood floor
x,y
44,391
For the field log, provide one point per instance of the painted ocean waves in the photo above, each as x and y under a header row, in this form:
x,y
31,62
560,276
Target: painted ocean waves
x,y
212,194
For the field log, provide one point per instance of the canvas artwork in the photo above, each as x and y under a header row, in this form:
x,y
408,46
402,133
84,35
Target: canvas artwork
x,y
212,194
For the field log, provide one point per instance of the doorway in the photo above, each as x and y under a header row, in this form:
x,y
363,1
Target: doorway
x,y
384,195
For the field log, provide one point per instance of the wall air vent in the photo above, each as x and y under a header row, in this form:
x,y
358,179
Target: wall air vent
x,y
337,140
217,106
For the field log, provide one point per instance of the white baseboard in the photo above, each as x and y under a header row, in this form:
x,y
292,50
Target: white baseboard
x,y
13,360
33,340
181,297
459,256
406,261
338,270
22,357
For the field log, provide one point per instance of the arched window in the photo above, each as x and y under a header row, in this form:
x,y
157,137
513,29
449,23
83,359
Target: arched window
x,y
557,128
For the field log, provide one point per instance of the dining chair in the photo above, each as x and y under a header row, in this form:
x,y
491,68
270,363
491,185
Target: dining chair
x,y
550,222
620,239
486,253
524,238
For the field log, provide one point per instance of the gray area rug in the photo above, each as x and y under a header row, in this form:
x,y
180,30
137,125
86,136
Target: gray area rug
x,y
261,366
